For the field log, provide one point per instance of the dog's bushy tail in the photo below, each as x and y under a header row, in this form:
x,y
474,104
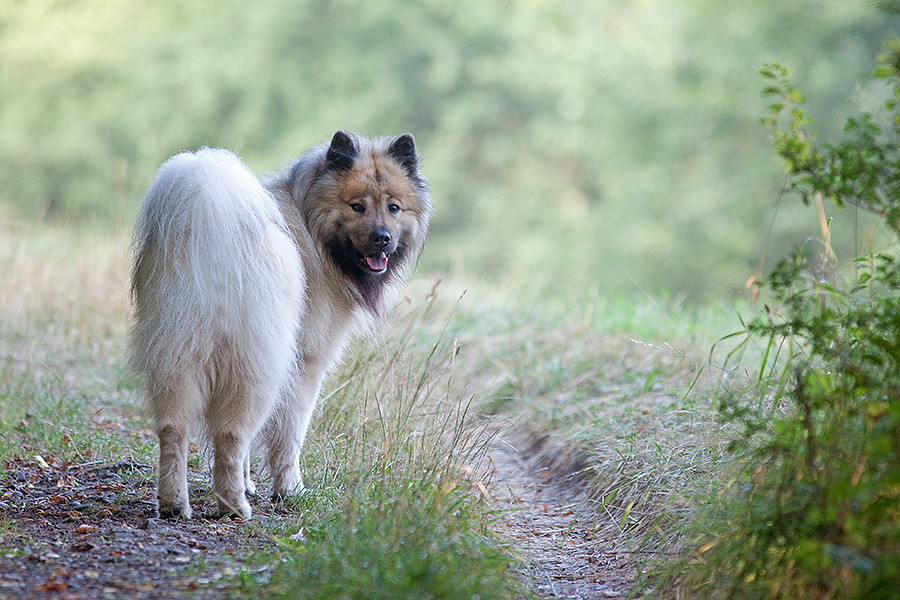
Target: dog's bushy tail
x,y
214,265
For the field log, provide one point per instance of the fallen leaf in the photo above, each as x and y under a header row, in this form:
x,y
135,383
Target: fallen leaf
x,y
53,586
82,547
66,481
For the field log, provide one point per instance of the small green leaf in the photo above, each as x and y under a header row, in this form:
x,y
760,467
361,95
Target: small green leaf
x,y
796,96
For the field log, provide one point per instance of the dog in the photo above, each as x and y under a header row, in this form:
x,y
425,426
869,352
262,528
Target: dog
x,y
247,290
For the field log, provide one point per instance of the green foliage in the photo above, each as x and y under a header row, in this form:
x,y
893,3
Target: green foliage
x,y
862,170
814,513
395,542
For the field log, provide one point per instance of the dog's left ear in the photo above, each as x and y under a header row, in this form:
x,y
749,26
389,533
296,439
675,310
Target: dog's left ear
x,y
403,150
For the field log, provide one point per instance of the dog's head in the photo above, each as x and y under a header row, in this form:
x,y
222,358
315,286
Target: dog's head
x,y
369,208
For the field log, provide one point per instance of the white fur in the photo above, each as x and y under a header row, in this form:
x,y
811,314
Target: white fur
x,y
241,311
219,293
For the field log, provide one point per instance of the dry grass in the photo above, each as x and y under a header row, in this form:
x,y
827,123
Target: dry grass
x,y
64,299
393,464
65,388
630,420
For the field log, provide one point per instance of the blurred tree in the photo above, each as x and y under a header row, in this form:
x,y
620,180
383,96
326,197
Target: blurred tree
x,y
594,141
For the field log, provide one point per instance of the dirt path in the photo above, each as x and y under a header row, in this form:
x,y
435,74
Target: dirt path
x,y
88,531
549,523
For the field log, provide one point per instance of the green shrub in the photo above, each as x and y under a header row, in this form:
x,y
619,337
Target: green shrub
x,y
814,510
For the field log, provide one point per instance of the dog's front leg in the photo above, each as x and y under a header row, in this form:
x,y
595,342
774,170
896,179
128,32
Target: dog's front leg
x,y
287,431
248,482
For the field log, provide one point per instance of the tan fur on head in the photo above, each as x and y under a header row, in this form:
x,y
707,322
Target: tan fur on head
x,y
356,187
246,294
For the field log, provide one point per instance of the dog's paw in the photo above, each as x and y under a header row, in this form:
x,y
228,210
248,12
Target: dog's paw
x,y
295,493
174,511
287,487
239,508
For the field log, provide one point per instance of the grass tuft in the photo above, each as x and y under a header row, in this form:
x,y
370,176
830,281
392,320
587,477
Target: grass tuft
x,y
393,509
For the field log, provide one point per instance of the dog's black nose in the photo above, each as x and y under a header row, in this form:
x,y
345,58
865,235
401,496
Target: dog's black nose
x,y
381,238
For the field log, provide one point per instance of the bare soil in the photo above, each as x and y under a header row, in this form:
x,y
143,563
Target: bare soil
x,y
88,531
546,515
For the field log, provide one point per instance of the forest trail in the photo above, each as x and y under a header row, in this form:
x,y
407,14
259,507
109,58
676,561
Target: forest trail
x,y
87,531
549,523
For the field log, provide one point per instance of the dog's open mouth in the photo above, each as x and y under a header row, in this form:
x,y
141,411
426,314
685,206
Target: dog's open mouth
x,y
376,262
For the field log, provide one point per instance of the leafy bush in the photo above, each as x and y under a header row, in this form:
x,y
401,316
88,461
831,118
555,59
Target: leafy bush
x,y
815,510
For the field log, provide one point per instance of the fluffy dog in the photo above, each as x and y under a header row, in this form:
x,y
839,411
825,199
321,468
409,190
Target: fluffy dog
x,y
246,292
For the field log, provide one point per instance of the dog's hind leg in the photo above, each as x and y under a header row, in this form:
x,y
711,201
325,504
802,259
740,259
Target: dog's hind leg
x,y
172,490
236,413
176,404
230,449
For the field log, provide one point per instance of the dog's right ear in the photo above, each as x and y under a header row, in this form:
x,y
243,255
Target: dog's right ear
x,y
342,152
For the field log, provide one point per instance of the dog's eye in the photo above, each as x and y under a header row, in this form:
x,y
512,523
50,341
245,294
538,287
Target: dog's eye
x,y
393,208
358,208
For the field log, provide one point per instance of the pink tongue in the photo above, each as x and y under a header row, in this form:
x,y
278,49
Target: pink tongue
x,y
377,263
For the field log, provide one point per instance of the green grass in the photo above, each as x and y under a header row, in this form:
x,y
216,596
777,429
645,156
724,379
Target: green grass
x,y
392,509
407,544
64,388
